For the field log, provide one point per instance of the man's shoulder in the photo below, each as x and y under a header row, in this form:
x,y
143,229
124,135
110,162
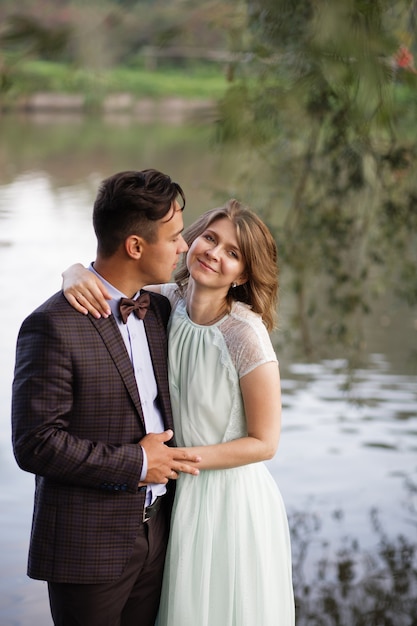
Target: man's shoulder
x,y
56,309
52,300
56,318
57,302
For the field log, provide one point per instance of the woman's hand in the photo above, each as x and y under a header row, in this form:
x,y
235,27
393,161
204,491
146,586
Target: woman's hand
x,y
85,292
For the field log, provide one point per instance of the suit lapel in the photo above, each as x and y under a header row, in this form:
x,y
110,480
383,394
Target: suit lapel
x,y
107,328
157,341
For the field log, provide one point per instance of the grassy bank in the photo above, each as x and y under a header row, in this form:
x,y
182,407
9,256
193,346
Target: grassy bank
x,y
25,78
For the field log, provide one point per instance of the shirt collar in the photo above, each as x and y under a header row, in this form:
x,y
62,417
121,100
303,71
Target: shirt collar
x,y
115,293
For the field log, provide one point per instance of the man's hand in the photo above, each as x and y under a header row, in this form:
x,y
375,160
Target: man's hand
x,y
164,462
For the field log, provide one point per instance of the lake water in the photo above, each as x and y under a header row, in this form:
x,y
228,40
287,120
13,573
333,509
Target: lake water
x,y
349,439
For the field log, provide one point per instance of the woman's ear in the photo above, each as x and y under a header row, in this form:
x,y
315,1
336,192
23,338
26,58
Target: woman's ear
x,y
243,278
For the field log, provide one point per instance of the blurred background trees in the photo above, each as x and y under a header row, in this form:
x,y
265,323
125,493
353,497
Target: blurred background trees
x,y
329,115
102,34
320,104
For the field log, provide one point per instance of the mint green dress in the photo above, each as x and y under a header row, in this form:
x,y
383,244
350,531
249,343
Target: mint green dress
x,y
229,557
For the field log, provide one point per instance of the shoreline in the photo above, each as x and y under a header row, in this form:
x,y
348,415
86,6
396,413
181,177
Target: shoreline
x,y
146,108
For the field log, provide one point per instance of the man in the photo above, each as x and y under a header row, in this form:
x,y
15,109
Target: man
x,y
91,418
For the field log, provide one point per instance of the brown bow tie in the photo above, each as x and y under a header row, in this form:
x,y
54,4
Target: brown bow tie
x,y
139,306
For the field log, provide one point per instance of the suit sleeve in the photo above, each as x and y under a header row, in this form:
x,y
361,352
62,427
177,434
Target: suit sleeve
x,y
49,436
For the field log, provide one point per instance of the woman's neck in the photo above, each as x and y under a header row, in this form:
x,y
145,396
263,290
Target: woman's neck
x,y
205,306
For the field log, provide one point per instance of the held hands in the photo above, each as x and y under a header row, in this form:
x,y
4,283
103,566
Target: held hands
x,y
166,463
85,292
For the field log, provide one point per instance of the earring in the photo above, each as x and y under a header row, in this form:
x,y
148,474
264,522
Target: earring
x,y
234,285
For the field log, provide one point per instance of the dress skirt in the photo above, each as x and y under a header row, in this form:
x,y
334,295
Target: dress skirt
x,y
228,560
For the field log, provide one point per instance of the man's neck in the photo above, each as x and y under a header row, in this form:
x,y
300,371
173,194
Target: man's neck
x,y
120,275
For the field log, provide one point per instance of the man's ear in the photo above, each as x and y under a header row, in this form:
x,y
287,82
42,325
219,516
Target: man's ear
x,y
134,246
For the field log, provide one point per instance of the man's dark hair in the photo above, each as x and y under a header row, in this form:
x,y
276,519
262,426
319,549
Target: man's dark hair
x,y
131,203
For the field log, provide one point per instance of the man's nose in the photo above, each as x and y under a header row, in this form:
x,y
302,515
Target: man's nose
x,y
183,245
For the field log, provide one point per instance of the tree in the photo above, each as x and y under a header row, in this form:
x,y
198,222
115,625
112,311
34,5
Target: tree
x,y
326,104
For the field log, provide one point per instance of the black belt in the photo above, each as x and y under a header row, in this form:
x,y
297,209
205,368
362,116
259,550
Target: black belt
x,y
152,509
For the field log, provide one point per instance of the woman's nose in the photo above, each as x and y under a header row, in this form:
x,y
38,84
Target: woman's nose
x,y
212,252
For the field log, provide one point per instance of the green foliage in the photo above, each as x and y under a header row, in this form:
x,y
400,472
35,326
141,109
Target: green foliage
x,y
33,76
31,37
199,82
100,34
170,49
330,114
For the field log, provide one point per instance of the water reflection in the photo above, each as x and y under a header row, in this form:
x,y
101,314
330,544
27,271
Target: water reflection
x,y
349,447
355,587
349,453
347,460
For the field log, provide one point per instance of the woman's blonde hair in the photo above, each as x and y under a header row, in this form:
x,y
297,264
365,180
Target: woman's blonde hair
x,y
259,251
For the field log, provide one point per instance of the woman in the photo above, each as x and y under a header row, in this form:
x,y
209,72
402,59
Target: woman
x,y
228,559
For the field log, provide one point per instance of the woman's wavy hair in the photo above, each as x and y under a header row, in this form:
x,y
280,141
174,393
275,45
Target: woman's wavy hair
x,y
259,251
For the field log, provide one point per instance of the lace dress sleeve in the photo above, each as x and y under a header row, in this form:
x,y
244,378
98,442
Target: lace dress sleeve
x,y
247,340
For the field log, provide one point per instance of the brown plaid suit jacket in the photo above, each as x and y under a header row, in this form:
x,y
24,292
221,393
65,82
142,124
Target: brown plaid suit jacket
x,y
76,421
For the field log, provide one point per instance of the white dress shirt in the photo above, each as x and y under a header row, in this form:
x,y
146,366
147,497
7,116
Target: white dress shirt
x,y
136,342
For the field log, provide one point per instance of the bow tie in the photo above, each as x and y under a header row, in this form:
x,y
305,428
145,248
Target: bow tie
x,y
139,306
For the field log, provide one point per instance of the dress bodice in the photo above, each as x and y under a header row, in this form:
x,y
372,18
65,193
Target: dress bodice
x,y
205,365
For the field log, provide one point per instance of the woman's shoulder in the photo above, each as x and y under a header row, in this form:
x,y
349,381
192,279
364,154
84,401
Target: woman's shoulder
x,y
247,338
172,292
246,325
244,314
